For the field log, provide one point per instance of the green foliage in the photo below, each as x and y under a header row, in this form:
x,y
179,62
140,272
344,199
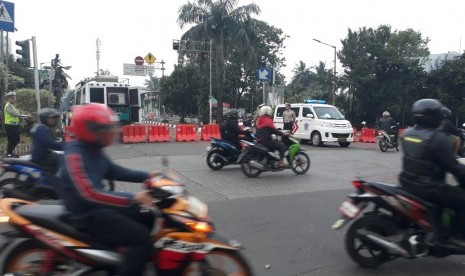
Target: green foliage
x,y
382,70
225,23
26,100
185,92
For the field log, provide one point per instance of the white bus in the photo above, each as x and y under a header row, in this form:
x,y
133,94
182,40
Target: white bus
x,y
124,99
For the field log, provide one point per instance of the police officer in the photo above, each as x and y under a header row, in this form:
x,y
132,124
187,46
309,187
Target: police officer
x,y
12,119
427,155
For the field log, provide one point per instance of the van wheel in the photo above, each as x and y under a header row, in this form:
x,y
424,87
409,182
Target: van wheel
x,y
316,139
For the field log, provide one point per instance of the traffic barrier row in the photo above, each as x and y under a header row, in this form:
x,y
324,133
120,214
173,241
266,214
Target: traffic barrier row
x,y
134,134
367,135
210,131
158,133
185,133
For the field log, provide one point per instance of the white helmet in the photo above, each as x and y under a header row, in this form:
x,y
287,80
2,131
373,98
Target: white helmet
x,y
265,110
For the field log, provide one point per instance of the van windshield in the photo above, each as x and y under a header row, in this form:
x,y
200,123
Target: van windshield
x,y
328,112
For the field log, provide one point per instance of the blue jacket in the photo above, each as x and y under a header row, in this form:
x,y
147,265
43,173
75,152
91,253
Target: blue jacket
x,y
82,190
43,142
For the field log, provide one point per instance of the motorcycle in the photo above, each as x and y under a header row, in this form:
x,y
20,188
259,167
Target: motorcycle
x,y
386,140
257,158
221,153
30,181
391,223
43,242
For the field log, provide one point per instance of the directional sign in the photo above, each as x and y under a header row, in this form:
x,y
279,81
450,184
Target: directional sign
x,y
138,70
264,74
150,59
7,16
139,60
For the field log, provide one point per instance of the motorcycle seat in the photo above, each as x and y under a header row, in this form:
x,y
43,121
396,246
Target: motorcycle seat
x,y
55,218
15,161
397,189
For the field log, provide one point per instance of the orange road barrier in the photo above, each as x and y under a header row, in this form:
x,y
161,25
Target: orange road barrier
x,y
186,133
134,134
69,136
210,131
158,133
355,134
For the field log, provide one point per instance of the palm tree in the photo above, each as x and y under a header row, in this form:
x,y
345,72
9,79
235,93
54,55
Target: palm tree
x,y
225,24
302,75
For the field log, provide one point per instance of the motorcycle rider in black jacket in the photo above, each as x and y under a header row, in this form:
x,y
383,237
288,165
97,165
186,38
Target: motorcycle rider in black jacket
x,y
386,123
427,155
230,129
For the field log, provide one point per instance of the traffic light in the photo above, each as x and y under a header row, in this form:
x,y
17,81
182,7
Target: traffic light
x,y
176,45
24,52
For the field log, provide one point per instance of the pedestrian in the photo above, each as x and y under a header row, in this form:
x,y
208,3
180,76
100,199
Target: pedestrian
x,y
12,119
288,117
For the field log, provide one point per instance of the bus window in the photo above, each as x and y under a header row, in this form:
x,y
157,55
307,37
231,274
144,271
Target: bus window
x,y
133,94
97,95
78,98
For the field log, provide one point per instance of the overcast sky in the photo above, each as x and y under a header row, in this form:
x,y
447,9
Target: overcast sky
x,y
134,28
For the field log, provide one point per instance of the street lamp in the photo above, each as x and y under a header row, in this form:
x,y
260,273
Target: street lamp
x,y
334,81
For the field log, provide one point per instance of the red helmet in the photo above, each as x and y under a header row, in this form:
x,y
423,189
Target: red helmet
x,y
95,123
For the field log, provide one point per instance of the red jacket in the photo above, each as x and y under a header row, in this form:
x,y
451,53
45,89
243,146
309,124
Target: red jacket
x,y
265,128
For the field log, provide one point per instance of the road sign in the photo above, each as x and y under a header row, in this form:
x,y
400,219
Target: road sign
x,y
150,59
7,16
139,60
264,74
137,70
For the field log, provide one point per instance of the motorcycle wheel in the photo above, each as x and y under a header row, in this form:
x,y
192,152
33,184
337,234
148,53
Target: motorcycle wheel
x,y
367,254
383,145
213,162
220,262
9,183
248,170
301,163
27,259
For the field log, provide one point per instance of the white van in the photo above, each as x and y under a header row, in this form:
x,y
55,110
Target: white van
x,y
318,122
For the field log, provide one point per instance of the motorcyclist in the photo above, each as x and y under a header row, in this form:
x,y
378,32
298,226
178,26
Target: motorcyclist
x,y
230,129
455,134
43,140
265,128
427,155
110,217
387,123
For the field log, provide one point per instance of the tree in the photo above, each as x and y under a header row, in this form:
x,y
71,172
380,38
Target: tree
x,y
382,68
182,91
223,22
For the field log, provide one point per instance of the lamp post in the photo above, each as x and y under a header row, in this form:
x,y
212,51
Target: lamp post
x,y
334,80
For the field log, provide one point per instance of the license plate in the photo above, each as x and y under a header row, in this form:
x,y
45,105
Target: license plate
x,y
342,139
348,209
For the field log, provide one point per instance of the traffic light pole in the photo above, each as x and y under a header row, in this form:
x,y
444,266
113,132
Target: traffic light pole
x,y
36,75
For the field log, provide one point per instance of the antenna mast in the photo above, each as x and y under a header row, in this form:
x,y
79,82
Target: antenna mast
x,y
98,56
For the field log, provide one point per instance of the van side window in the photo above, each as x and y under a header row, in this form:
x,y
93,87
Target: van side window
x,y
305,111
279,112
296,111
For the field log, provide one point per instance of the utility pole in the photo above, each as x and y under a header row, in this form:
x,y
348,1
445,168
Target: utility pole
x,y
334,79
36,74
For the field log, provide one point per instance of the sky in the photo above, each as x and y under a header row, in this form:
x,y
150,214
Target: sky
x,y
133,28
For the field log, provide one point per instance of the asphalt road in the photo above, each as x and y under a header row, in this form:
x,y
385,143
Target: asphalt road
x,y
284,220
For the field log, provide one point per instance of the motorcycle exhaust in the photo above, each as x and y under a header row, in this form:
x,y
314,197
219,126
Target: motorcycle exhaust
x,y
257,165
392,247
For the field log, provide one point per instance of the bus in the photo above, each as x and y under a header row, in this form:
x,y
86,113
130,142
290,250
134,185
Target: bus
x,y
124,99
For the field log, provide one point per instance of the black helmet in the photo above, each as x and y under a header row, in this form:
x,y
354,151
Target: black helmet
x,y
233,114
429,112
46,113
